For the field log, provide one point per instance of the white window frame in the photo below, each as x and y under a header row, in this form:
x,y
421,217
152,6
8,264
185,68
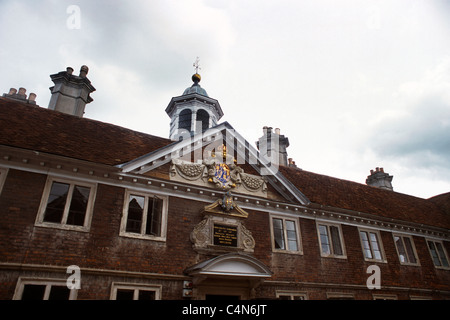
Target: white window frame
x,y
341,239
379,243
408,263
136,287
384,297
340,296
3,174
297,232
123,224
89,209
48,283
445,253
292,294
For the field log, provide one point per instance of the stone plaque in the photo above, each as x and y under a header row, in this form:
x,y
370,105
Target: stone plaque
x,y
225,235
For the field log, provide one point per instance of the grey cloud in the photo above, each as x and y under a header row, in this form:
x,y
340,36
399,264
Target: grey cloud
x,y
421,137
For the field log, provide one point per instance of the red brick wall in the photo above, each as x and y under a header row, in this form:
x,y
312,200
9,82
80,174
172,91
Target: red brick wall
x,y
103,248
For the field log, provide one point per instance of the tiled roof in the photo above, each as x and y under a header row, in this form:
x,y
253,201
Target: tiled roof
x,y
40,129
334,192
442,200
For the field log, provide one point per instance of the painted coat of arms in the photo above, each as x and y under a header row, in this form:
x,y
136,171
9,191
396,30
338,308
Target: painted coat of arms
x,y
222,174
219,169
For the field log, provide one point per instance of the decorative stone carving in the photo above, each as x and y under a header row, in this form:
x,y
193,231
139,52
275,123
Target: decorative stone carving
x,y
220,172
227,206
201,234
222,228
202,237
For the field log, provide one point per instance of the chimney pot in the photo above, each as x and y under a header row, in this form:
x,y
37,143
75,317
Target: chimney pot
x,y
32,97
69,70
84,71
277,131
12,91
22,91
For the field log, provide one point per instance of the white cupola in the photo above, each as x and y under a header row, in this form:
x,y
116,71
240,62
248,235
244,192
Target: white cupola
x,y
193,112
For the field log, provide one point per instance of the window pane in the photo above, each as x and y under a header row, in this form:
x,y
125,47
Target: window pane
x,y
78,205
154,214
59,293
135,210
410,250
441,253
56,202
291,235
375,247
366,245
33,292
324,240
124,294
400,249
146,295
434,255
337,248
278,233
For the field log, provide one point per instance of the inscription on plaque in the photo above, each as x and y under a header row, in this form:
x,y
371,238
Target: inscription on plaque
x,y
225,235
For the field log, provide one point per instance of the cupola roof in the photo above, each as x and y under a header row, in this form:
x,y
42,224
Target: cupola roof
x,y
195,88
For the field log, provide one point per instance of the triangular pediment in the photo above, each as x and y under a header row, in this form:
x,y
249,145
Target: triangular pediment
x,y
216,158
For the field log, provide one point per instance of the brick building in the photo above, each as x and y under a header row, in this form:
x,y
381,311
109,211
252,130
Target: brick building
x,y
201,215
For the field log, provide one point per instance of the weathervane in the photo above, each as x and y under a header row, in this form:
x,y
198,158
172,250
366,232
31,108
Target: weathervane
x,y
196,65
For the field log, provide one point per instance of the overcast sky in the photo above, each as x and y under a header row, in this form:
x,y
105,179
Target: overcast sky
x,y
354,85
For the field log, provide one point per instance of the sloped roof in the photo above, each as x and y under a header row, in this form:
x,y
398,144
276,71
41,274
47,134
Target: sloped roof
x,y
40,129
334,192
443,201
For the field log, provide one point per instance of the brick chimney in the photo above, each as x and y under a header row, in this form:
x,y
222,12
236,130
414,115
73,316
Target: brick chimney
x,y
380,179
71,93
273,145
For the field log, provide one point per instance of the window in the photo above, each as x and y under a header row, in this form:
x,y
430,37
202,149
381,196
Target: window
x,y
29,289
340,296
406,250
371,245
135,292
184,120
384,297
3,173
202,121
144,216
330,239
66,204
291,295
285,235
438,254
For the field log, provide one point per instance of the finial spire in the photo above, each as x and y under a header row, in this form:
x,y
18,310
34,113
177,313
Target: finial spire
x,y
197,65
